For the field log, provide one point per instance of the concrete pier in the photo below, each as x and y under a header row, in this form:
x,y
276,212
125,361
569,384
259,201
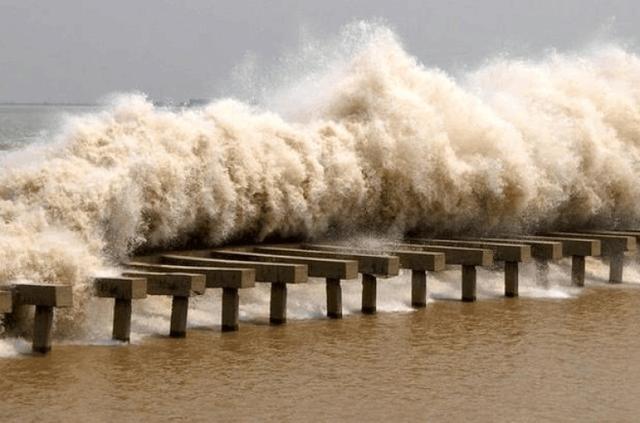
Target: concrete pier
x,y
122,290
334,298
369,294
612,246
511,279
577,270
468,258
230,309
468,283
278,305
45,297
278,274
229,279
510,254
577,249
180,286
419,262
330,269
418,288
370,266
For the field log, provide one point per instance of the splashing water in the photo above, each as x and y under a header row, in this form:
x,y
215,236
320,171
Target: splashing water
x,y
375,142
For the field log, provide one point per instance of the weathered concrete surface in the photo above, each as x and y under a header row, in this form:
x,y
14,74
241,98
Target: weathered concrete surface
x,y
369,294
121,319
455,255
541,250
230,309
573,246
611,245
501,251
129,288
323,268
42,324
511,279
415,260
43,295
278,304
216,277
418,288
174,284
265,272
334,298
378,265
468,283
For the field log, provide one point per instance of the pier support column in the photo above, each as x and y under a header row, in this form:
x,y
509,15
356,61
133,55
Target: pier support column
x,y
179,310
121,319
468,283
418,288
577,270
278,312
616,264
334,298
511,279
42,329
369,293
230,309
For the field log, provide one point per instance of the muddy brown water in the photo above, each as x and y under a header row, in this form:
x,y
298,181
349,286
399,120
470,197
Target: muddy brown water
x,y
493,360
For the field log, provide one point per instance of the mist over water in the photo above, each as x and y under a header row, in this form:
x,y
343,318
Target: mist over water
x,y
364,140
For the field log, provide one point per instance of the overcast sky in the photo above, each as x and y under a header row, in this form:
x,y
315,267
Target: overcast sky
x,y
82,50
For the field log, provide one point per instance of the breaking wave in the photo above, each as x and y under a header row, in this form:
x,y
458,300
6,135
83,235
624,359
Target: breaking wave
x,y
370,142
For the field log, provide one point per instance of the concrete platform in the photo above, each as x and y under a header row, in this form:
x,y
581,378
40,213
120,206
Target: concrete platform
x,y
510,254
122,290
540,250
318,267
45,297
216,277
265,272
378,265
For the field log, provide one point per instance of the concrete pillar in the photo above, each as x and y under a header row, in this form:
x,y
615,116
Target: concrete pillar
x,y
369,293
511,279
179,311
418,288
334,299
230,309
468,283
42,329
577,270
616,264
122,319
278,312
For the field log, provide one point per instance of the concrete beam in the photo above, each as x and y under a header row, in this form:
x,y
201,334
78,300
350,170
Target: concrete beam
x,y
572,246
611,245
510,254
216,277
265,272
176,284
122,290
627,232
541,250
45,297
41,294
322,268
414,260
370,264
127,288
501,251
180,286
454,255
577,249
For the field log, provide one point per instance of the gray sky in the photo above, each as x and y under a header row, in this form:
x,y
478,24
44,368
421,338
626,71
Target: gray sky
x,y
81,50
